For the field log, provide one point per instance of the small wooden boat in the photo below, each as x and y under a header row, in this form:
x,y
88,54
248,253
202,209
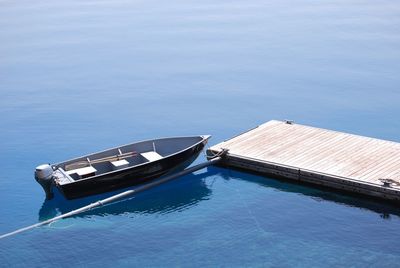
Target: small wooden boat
x,y
119,167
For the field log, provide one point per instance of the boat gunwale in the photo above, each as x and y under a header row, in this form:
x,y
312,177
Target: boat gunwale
x,y
203,138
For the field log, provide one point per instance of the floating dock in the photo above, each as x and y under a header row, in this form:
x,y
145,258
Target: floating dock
x,y
329,158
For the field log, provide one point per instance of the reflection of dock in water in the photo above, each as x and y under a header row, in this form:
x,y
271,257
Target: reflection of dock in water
x,y
319,193
180,194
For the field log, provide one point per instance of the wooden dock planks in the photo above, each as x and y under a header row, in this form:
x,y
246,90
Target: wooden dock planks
x,y
335,159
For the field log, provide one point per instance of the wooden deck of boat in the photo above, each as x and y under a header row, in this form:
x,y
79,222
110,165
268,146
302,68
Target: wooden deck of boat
x,y
319,156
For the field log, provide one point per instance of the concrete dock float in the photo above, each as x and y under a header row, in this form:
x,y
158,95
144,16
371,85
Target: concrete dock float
x,y
318,156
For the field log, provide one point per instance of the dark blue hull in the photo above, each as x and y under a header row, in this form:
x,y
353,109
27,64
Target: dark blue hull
x,y
132,176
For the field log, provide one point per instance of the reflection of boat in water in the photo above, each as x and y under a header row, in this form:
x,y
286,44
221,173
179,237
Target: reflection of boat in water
x,y
177,195
319,193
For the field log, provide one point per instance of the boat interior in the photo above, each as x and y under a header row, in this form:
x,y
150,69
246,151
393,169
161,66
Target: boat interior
x,y
121,157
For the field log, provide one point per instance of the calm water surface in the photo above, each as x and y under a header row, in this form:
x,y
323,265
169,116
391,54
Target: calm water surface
x,y
80,76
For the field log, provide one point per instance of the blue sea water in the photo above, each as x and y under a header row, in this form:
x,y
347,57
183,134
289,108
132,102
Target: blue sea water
x,y
81,76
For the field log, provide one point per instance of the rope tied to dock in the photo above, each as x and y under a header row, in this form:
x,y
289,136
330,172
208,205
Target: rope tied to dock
x,y
213,155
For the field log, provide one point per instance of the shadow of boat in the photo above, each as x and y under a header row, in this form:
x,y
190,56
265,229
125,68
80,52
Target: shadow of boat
x,y
176,195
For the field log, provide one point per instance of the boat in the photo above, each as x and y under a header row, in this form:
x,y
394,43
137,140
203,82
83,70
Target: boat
x,y
119,167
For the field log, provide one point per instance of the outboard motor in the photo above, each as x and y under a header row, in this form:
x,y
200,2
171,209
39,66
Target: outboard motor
x,y
44,176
